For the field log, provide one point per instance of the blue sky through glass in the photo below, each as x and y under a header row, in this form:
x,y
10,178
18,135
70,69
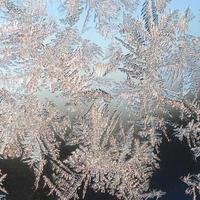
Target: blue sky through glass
x,y
95,37
195,6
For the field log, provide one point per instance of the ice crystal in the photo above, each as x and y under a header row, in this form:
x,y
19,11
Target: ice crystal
x,y
116,127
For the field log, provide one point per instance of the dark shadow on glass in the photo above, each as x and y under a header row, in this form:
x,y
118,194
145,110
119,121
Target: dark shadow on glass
x,y
176,161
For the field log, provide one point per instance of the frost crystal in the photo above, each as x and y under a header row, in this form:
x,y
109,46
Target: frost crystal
x,y
114,126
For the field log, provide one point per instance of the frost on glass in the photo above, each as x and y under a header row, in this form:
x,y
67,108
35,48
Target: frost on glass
x,y
2,177
115,126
